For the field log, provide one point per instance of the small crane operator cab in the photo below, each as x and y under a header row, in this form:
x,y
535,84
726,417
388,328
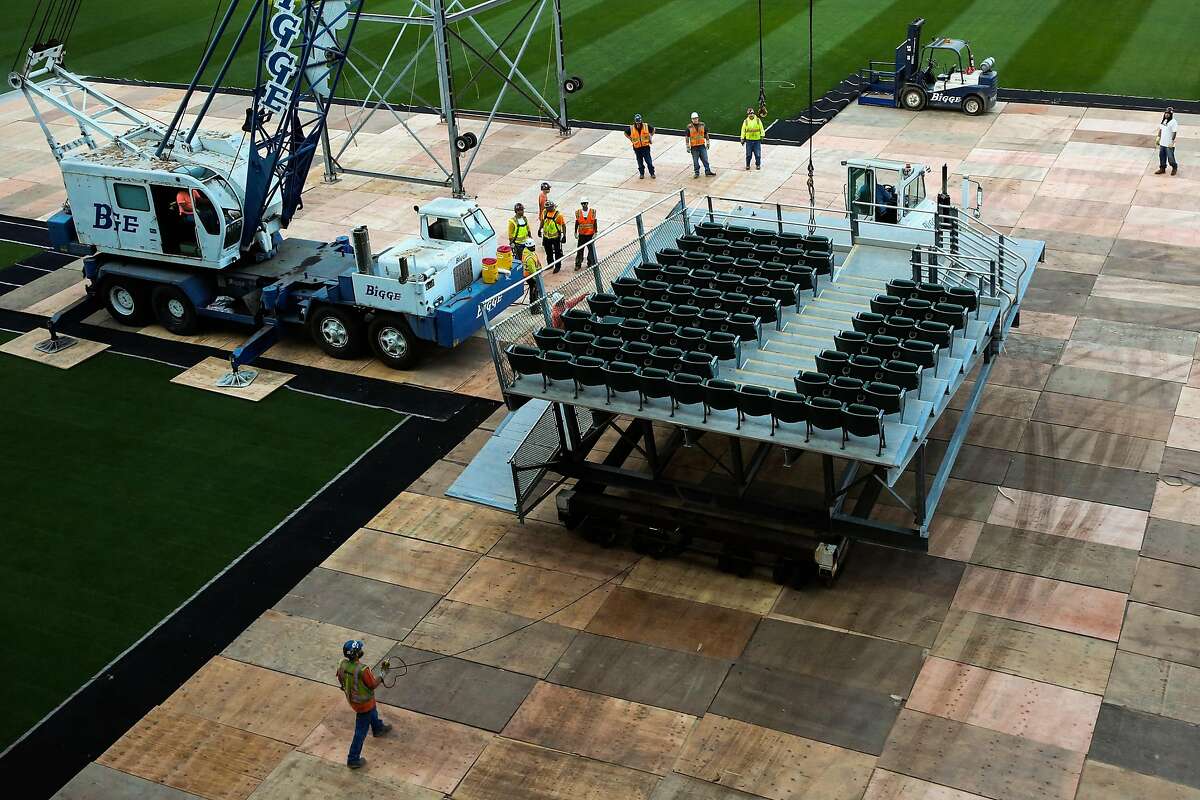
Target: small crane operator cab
x,y
452,221
886,191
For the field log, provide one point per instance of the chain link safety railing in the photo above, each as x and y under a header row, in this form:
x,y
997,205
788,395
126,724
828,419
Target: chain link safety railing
x,y
540,447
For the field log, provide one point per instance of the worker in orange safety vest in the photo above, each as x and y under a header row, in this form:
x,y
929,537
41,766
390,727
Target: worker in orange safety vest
x,y
585,231
697,143
358,683
640,135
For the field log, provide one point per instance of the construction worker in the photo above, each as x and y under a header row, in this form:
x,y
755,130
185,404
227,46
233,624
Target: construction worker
x,y
559,305
640,135
697,143
518,231
532,266
543,197
1168,129
553,229
752,136
585,231
183,205
358,682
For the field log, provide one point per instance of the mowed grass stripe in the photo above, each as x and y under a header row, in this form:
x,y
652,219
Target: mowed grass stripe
x,y
1160,57
1071,42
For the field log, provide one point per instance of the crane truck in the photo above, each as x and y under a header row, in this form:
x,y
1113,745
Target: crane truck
x,y
183,226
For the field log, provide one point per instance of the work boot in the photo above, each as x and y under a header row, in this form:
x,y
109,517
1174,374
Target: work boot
x,y
697,175
747,168
710,174
1160,170
359,764
653,176
384,729
641,176
1174,170
758,166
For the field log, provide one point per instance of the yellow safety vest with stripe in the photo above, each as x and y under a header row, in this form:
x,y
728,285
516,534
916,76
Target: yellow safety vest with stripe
x,y
752,129
518,231
552,224
530,260
356,689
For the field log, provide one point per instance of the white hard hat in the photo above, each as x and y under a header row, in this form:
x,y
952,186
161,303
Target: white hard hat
x,y
582,200
695,115
530,242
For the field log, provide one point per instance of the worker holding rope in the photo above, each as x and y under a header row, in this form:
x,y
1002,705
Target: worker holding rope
x,y
358,682
698,144
752,136
640,135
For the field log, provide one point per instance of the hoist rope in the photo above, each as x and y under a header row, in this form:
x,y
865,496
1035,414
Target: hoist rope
x,y
812,191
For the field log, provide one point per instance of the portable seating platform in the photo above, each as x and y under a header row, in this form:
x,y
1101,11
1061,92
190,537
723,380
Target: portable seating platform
x,y
756,329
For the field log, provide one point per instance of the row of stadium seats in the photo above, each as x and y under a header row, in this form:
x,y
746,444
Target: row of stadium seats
x,y
831,409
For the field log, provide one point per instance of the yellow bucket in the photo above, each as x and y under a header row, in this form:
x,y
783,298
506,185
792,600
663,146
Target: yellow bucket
x,y
490,269
503,257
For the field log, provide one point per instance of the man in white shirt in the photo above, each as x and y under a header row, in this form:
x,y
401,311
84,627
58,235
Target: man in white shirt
x,y
1167,130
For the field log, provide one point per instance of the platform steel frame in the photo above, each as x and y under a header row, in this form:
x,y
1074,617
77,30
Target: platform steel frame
x,y
440,16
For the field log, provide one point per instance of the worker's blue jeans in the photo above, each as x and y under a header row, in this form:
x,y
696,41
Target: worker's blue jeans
x,y
364,720
700,155
754,148
1166,155
643,160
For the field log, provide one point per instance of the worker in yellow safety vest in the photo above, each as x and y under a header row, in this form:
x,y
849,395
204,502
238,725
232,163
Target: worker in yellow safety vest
x,y
532,266
640,135
358,683
518,231
752,136
553,229
697,143
585,231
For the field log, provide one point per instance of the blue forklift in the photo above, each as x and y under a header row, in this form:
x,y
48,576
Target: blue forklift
x,y
944,81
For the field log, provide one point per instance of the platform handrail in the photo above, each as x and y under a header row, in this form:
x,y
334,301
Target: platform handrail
x,y
960,267
997,240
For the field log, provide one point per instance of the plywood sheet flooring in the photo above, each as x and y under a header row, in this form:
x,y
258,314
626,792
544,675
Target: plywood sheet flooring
x,y
1057,603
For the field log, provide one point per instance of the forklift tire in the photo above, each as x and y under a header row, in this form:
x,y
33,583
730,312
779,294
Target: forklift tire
x,y
392,341
913,98
127,300
973,105
337,331
174,310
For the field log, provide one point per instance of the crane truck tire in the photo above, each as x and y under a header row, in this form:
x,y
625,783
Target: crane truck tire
x,y
973,105
127,300
392,341
174,310
337,331
913,98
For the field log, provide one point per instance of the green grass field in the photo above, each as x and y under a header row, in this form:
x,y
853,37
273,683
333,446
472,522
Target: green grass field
x,y
125,494
669,58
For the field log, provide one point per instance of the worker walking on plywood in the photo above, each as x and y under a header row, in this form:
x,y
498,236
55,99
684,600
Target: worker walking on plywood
x,y
553,229
358,682
1168,129
697,142
752,136
585,231
640,135
518,231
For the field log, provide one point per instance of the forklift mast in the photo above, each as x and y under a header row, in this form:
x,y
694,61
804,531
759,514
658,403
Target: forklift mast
x,y
908,54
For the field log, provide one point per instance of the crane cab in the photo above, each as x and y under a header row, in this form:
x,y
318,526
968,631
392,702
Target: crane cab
x,y
887,200
185,214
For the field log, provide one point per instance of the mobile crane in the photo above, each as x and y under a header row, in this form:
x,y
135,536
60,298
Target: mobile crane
x,y
181,225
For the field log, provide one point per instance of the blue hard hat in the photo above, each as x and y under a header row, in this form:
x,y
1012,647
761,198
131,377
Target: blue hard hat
x,y
352,648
